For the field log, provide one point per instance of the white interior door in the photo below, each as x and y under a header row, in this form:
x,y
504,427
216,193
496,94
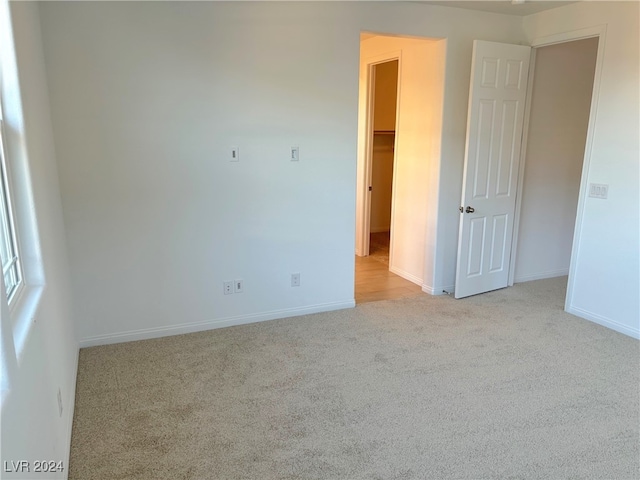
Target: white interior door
x,y
499,75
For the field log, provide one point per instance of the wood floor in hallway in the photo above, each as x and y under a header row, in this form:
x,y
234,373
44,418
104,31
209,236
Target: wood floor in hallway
x,y
374,281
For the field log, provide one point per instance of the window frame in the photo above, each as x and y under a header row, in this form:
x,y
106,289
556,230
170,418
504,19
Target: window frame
x,y
7,204
18,318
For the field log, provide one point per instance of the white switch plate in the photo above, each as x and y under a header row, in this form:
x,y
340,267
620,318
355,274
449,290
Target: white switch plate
x,y
238,286
598,190
234,156
295,154
227,287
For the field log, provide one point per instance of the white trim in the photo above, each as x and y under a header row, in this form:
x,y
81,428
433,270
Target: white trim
x,y
8,190
406,275
523,161
438,290
600,32
596,31
148,333
368,159
605,322
394,165
70,403
542,275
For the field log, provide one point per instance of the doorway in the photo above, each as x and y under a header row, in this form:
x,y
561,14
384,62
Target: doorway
x,y
554,140
416,151
560,106
384,85
412,149
374,280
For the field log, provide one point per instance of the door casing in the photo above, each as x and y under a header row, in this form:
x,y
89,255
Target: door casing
x,y
596,31
363,240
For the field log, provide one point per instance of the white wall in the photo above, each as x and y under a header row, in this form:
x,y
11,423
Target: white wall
x,y
560,103
143,118
606,285
31,426
157,217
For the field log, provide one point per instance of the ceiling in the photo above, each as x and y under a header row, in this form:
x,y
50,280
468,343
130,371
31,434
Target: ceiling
x,y
503,6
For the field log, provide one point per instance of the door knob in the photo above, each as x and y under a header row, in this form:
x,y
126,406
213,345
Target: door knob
x,y
470,210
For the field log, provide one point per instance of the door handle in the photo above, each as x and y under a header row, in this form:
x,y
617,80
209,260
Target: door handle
x,y
470,210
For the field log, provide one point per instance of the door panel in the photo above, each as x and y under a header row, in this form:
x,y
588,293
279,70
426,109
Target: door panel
x,y
492,157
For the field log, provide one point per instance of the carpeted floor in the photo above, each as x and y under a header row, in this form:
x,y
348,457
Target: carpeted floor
x,y
501,385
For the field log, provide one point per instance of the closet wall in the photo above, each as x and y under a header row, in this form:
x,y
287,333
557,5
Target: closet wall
x,y
560,105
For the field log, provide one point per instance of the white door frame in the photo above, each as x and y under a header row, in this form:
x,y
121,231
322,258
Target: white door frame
x,y
364,174
596,31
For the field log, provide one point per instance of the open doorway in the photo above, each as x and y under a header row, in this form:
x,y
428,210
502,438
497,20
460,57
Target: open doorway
x,y
398,194
385,95
545,198
374,280
560,105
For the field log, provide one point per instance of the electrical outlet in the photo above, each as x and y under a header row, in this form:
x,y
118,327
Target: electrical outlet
x,y
238,286
59,402
295,279
235,154
227,287
295,154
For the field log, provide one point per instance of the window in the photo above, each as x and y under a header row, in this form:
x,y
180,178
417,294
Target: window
x,y
20,256
9,253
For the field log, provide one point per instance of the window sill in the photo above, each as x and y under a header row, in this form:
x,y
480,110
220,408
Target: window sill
x,y
23,315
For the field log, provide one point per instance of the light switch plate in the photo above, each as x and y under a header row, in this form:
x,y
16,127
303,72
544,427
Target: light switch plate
x,y
598,190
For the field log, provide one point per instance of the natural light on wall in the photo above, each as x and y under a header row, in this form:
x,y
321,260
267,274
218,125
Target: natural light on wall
x,y
23,278
9,252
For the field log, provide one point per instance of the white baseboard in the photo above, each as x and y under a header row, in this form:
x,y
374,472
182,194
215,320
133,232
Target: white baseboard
x,y
406,275
605,322
437,290
147,333
70,405
540,276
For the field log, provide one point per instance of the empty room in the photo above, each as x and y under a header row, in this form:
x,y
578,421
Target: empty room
x,y
192,213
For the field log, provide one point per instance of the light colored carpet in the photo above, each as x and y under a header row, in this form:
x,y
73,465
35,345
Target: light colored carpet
x,y
502,385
